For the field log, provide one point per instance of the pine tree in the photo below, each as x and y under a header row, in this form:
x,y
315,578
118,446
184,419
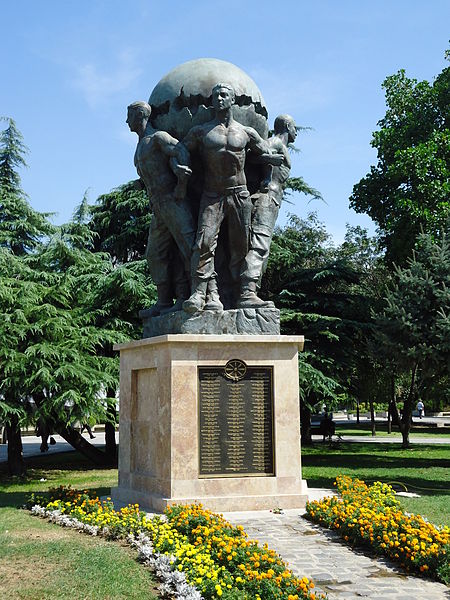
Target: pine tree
x,y
21,227
121,220
414,323
21,231
118,287
321,295
53,349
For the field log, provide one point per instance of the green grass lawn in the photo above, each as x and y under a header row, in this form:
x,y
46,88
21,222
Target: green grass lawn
x,y
423,469
40,561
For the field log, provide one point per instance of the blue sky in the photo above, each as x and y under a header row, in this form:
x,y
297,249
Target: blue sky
x,y
70,68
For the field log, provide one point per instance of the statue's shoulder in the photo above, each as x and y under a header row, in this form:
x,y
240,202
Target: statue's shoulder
x,y
250,131
198,132
275,143
164,137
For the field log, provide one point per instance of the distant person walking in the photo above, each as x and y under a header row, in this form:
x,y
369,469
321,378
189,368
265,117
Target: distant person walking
x,y
88,429
420,407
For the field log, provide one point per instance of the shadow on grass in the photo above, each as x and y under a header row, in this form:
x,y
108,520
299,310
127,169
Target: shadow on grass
x,y
381,429
18,499
413,484
67,461
49,468
413,467
417,427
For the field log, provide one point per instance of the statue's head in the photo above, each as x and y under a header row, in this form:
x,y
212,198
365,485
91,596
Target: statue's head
x,y
286,124
223,96
137,113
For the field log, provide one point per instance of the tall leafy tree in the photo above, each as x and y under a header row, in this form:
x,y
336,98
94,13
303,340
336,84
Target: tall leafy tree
x,y
125,287
317,291
22,229
56,345
50,347
414,324
121,221
409,188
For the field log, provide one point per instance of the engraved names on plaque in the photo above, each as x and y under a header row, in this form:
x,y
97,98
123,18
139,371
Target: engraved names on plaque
x,y
236,420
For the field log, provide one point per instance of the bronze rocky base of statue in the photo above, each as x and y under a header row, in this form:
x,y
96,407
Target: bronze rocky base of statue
x,y
240,321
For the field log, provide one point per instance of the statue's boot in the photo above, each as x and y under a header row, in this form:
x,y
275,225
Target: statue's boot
x,y
249,299
182,293
164,302
212,297
196,301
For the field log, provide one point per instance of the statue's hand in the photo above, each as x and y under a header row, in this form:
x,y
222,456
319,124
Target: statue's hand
x,y
183,171
276,160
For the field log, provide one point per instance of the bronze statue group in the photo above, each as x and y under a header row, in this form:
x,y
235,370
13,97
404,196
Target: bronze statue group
x,y
211,228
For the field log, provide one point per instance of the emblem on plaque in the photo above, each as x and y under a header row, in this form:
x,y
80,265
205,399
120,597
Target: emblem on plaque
x,y
235,369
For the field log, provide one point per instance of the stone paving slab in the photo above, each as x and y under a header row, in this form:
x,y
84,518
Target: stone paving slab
x,y
337,569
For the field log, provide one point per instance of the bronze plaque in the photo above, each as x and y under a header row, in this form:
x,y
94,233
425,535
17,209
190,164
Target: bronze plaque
x,y
236,420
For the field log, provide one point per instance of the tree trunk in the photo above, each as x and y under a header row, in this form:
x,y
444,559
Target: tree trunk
x,y
395,413
110,430
405,425
16,464
357,412
372,418
394,408
389,418
75,439
305,424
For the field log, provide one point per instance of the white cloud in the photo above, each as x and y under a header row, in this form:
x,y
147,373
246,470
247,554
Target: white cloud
x,y
97,85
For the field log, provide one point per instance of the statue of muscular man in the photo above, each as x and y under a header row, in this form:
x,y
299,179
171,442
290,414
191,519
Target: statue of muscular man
x,y
222,144
266,205
161,162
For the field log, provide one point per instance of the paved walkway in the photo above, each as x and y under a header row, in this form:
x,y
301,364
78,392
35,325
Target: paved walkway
x,y
319,554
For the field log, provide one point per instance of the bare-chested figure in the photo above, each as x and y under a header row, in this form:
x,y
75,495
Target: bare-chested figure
x,y
161,164
222,144
266,205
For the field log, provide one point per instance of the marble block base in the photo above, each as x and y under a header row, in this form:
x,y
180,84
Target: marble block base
x,y
159,423
238,321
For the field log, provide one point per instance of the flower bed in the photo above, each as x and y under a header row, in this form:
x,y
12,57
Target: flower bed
x,y
371,515
196,553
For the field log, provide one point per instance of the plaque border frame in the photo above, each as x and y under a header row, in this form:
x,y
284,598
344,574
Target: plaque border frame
x,y
272,414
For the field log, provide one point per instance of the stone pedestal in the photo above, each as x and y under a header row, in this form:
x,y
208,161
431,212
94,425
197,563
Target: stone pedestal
x,y
159,457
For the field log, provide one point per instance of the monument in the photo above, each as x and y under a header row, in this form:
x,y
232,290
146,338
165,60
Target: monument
x,y
209,408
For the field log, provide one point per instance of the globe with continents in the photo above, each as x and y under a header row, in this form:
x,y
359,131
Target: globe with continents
x,y
182,99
